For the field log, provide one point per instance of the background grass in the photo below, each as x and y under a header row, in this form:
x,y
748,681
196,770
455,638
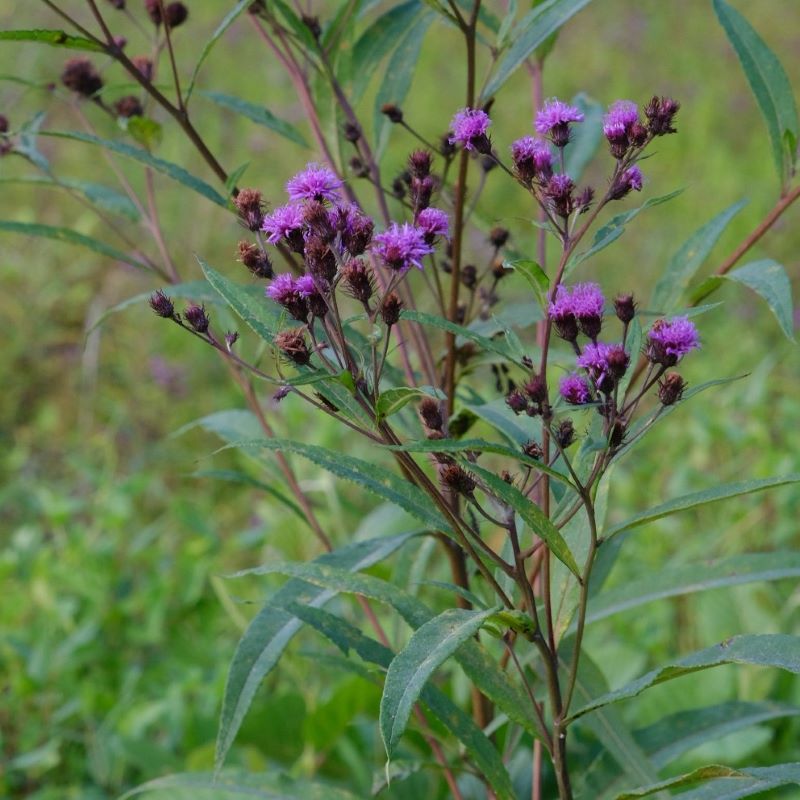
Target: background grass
x,y
115,632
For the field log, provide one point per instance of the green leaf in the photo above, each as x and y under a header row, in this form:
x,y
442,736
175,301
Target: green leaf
x,y
696,499
534,275
533,516
377,41
766,650
684,264
70,237
724,783
428,648
614,228
54,38
397,78
532,30
481,446
167,168
223,26
263,786
261,115
766,278
769,83
372,477
272,629
499,346
147,132
96,193
691,578
393,400
347,637
586,137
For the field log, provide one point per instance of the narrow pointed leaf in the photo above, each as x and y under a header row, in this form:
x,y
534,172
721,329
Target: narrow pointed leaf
x,y
52,37
272,629
705,497
767,650
173,171
533,516
770,85
585,138
71,237
429,647
683,266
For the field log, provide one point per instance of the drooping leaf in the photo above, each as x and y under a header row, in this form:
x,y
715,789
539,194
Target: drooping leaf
x,y
533,516
532,30
429,647
691,578
347,637
372,477
683,266
52,37
223,26
696,499
723,783
397,78
769,650
261,115
70,237
272,629
769,83
766,278
173,171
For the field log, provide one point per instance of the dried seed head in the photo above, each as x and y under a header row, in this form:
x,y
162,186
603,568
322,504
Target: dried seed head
x,y
457,479
251,208
625,307
431,414
391,308
320,260
162,305
536,388
532,450
516,401
660,113
128,107
196,316
419,163
358,280
565,433
80,76
256,260
499,270
292,344
671,388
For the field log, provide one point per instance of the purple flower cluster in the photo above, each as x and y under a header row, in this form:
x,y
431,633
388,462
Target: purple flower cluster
x,y
532,158
469,126
315,182
668,341
622,115
575,390
401,247
554,118
629,180
283,223
577,310
605,364
433,222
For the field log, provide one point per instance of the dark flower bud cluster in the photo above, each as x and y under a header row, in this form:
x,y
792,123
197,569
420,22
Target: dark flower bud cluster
x,y
162,305
390,309
175,13
197,317
128,106
80,76
577,310
430,412
660,113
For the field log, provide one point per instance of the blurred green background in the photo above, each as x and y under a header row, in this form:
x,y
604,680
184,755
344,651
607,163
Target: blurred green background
x,y
115,629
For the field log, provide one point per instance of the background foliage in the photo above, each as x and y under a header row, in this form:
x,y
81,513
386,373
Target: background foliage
x,y
115,629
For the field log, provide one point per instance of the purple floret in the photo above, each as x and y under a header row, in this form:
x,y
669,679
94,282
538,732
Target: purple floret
x,y
402,246
575,390
315,182
633,177
282,288
305,286
621,116
433,222
587,300
532,157
469,126
670,340
605,363
554,118
283,222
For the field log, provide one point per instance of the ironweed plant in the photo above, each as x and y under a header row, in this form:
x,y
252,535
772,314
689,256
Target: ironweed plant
x,y
384,306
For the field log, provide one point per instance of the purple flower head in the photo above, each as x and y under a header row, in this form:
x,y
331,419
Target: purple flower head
x,y
621,117
559,190
632,178
587,306
356,229
401,246
307,289
605,363
433,222
554,119
668,341
532,158
283,223
315,182
469,128
561,312
305,286
575,390
285,291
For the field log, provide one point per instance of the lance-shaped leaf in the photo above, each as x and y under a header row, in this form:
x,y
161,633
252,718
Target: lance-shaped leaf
x,y
272,629
683,266
347,637
52,37
173,171
769,83
429,647
723,783
691,578
393,400
533,516
705,497
766,650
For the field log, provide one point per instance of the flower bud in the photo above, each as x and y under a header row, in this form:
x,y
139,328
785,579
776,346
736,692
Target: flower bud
x,y
320,260
128,107
80,76
671,388
231,337
446,147
162,305
312,23
118,4
352,133
625,307
419,164
358,167
251,208
536,388
565,433
358,280
660,113
431,414
256,260
144,65
393,112
516,401
498,236
3,124
469,275
390,309
175,14
292,344
196,316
